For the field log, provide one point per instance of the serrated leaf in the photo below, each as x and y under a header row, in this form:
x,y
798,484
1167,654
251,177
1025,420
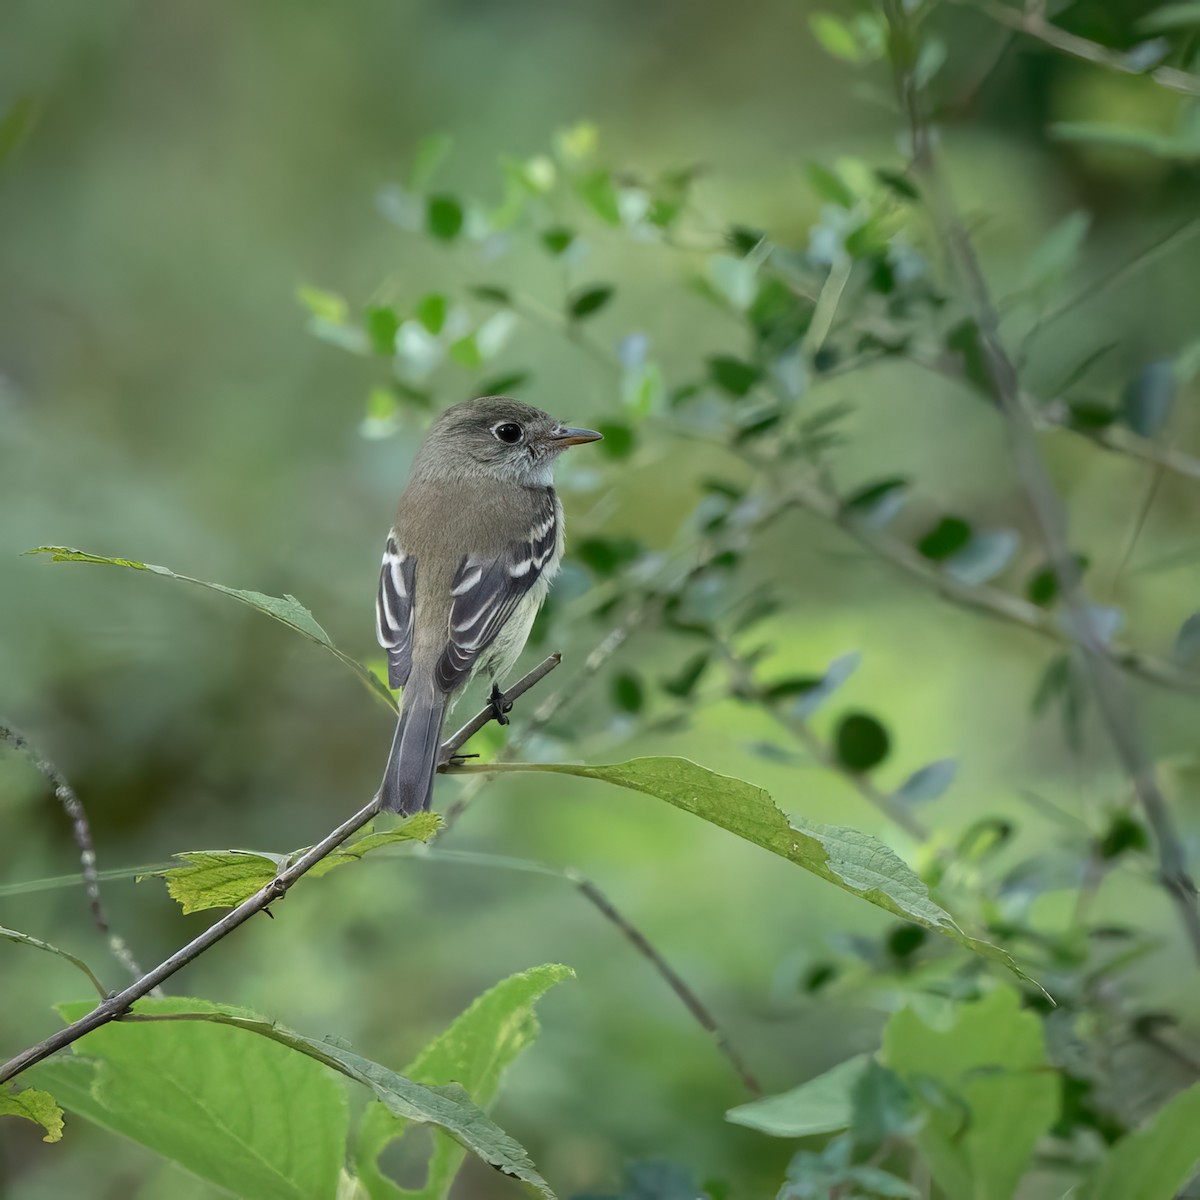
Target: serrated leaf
x,y
474,1052
929,782
995,1092
228,1075
851,860
287,610
1148,397
224,878
589,300
1153,1162
244,1113
33,1105
819,1105
25,939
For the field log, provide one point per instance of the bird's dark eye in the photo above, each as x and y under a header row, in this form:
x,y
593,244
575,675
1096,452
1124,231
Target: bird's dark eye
x,y
509,432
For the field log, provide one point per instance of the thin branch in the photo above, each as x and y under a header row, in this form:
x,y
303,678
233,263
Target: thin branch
x,y
980,597
80,827
1117,440
1108,688
118,1003
592,893
1033,23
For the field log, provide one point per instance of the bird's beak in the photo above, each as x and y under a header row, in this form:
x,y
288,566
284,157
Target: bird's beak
x,y
575,437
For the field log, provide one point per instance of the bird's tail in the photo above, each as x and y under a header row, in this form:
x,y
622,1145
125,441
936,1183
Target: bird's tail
x,y
407,785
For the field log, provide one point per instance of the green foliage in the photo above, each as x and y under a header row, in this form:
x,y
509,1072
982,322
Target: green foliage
x,y
261,1116
853,861
25,939
224,878
473,1052
1154,1162
984,1088
823,1104
35,1106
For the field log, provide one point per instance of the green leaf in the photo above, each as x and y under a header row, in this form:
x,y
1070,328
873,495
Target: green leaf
x,y
474,1052
735,279
492,293
382,324
597,190
588,300
995,1092
628,695
1171,16
1089,415
861,742
444,217
877,503
1148,397
466,352
242,1112
1056,253
984,557
432,311
557,240
733,375
851,860
821,1105
287,610
35,1106
618,441
325,305
829,185
429,155
835,37
929,782
947,537
964,340
1125,137
883,1108
684,681
224,878
25,939
1155,1161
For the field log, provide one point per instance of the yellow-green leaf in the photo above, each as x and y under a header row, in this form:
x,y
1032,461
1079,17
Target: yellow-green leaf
x,y
35,1106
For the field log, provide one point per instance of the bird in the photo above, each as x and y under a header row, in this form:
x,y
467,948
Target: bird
x,y
476,543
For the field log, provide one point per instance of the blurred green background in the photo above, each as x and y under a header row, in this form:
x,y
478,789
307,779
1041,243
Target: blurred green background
x,y
192,165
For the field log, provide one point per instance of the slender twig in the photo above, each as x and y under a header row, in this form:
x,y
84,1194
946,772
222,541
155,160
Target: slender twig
x,y
1108,688
593,894
1033,23
118,1003
979,597
82,830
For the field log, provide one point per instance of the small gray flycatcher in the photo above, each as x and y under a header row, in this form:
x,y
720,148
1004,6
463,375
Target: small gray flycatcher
x,y
478,537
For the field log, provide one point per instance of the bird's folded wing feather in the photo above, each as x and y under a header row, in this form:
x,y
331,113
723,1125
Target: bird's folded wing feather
x,y
394,610
486,592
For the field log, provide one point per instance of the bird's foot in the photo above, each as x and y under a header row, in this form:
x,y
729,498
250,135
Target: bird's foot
x,y
501,707
457,760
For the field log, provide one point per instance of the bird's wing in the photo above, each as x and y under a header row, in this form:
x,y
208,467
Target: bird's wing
x,y
487,590
394,610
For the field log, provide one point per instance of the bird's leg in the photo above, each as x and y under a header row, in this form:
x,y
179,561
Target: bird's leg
x,y
500,706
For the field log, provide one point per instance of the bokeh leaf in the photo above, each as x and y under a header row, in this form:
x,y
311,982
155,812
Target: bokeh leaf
x,y
822,1104
33,1105
1148,398
589,300
287,610
1186,650
224,878
860,742
851,860
1153,1162
474,1052
929,782
992,1095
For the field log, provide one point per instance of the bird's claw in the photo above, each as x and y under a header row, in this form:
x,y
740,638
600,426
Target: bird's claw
x,y
501,706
